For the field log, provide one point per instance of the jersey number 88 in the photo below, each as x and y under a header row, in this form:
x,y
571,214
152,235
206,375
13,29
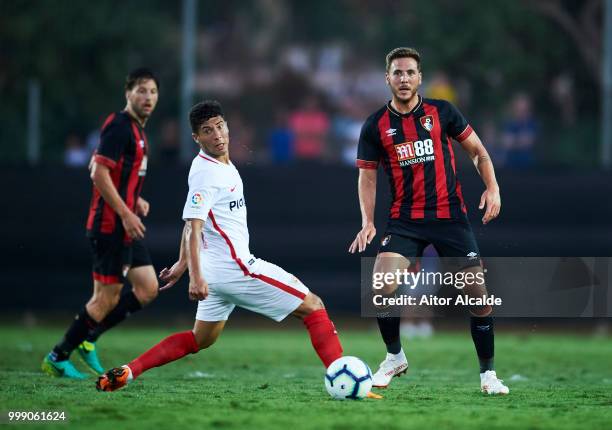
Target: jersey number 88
x,y
423,147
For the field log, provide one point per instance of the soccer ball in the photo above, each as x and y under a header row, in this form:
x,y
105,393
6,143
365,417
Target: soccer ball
x,y
348,378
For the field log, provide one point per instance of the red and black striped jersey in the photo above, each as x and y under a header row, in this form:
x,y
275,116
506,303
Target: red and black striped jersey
x,y
123,149
416,153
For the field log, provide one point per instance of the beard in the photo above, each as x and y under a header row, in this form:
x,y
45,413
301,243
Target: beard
x,y
404,98
141,112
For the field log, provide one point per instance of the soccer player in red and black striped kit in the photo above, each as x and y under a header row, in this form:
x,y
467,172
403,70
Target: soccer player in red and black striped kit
x,y
411,137
115,229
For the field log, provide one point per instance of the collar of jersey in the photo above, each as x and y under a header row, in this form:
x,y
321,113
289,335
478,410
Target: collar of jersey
x,y
131,118
212,160
206,157
393,111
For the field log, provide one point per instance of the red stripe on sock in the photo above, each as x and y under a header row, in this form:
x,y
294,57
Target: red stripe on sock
x,y
323,336
171,348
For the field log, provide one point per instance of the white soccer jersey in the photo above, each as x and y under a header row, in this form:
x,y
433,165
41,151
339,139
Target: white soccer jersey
x,y
235,277
216,196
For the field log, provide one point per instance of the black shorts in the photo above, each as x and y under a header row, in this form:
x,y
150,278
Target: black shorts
x,y
112,258
453,240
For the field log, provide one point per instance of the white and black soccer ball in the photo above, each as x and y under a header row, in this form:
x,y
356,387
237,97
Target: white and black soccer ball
x,y
348,378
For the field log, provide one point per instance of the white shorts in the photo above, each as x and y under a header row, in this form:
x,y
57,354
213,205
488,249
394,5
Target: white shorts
x,y
268,290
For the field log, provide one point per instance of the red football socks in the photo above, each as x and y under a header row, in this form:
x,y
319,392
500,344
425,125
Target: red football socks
x,y
171,348
323,336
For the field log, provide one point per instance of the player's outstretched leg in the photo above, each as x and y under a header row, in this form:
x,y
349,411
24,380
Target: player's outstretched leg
x,y
395,362
323,334
57,362
176,346
144,290
481,327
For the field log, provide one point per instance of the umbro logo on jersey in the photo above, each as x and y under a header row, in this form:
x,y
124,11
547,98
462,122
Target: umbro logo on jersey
x,y
391,132
472,255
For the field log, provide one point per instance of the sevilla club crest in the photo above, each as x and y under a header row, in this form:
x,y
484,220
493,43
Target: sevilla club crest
x,y
427,122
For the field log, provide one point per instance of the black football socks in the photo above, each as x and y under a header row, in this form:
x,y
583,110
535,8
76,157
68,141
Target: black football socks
x,y
128,304
76,333
390,330
484,341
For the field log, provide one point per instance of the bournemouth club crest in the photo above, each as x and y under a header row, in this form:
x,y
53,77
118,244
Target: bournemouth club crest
x,y
427,122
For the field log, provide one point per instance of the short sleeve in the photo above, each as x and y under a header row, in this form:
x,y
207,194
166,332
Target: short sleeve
x,y
201,197
113,139
457,126
368,149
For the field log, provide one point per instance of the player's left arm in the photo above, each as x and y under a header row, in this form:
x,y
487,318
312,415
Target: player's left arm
x,y
490,199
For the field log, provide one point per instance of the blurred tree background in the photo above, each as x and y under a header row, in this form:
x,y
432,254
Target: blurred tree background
x,y
80,52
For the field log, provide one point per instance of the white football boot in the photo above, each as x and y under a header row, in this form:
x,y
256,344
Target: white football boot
x,y
489,383
393,365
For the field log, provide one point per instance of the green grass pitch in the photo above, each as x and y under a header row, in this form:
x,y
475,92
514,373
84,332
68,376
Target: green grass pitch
x,y
272,379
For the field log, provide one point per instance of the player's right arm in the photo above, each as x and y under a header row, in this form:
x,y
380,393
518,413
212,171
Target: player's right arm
x,y
368,154
203,193
113,138
100,175
366,186
198,288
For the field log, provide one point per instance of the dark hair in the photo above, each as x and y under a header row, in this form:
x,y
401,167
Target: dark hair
x,y
204,111
403,52
137,75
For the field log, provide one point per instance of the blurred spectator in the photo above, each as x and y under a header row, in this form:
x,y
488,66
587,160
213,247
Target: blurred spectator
x,y
366,81
298,59
92,139
346,126
488,133
330,58
562,89
310,124
169,145
289,88
329,78
440,88
519,133
281,140
76,153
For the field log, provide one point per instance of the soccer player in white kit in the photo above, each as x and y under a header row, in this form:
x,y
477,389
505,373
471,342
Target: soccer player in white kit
x,y
222,271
